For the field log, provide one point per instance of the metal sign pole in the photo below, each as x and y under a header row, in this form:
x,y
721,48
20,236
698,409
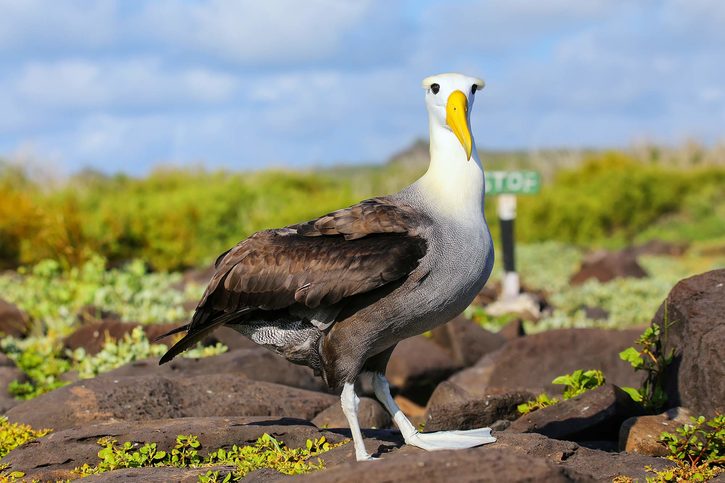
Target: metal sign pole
x,y
506,185
507,216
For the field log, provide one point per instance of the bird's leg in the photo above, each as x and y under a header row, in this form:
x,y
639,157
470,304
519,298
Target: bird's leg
x,y
427,441
350,402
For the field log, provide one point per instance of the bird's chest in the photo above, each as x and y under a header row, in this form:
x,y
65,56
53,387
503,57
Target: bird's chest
x,y
457,265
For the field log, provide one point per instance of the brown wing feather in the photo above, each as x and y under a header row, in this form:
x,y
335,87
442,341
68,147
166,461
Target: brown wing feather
x,y
321,262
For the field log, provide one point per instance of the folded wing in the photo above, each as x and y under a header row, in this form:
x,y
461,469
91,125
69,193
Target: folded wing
x,y
314,264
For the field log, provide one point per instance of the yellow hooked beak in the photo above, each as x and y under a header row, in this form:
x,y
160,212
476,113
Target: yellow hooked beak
x,y
457,119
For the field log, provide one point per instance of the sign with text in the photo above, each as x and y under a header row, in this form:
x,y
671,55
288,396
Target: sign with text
x,y
512,182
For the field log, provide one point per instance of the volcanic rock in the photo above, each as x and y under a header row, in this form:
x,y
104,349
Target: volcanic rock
x,y
594,415
371,414
142,398
580,463
13,321
417,366
605,266
258,364
53,456
92,336
452,407
465,341
8,373
641,434
694,314
483,464
532,362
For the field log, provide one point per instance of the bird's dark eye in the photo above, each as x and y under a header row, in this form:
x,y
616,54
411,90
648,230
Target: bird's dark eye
x,y
473,88
435,88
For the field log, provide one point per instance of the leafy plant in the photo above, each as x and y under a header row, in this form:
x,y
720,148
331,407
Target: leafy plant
x,y
41,361
115,353
651,358
9,476
696,449
45,363
13,435
578,382
266,452
542,400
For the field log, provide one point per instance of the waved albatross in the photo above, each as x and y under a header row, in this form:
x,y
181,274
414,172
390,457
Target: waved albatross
x,y
339,292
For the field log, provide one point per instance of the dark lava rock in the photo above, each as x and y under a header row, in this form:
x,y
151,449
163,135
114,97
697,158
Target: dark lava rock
x,y
417,366
465,341
532,362
13,321
641,434
483,464
452,407
513,330
605,266
580,463
594,415
92,336
155,397
8,373
258,364
371,414
159,475
596,313
51,457
696,331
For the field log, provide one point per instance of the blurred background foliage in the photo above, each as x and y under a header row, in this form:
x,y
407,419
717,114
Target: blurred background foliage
x,y
116,244
178,218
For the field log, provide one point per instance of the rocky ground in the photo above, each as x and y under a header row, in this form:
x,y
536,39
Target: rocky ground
x,y
460,377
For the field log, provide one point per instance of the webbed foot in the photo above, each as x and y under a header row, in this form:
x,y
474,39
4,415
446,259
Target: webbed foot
x,y
441,440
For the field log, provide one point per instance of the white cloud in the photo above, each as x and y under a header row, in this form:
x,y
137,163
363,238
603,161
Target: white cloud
x,y
124,85
280,32
48,25
79,84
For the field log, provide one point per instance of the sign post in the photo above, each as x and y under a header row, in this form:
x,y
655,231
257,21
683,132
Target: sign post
x,y
508,184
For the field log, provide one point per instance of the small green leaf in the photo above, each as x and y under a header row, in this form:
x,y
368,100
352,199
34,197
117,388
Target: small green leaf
x,y
633,393
631,355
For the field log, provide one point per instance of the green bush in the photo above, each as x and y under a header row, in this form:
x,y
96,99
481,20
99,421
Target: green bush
x,y
176,218
45,362
266,452
612,198
576,383
13,435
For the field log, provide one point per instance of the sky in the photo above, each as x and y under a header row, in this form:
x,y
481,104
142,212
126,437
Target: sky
x,y
124,86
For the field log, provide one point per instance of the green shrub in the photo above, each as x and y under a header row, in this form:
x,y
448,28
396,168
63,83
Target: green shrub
x,y
576,383
651,358
266,452
697,449
612,195
53,296
542,401
177,218
579,382
13,435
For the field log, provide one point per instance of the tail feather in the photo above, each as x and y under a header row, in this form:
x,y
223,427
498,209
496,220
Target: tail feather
x,y
172,332
189,340
202,324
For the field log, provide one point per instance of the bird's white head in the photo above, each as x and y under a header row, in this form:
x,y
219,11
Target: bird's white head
x,y
449,99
